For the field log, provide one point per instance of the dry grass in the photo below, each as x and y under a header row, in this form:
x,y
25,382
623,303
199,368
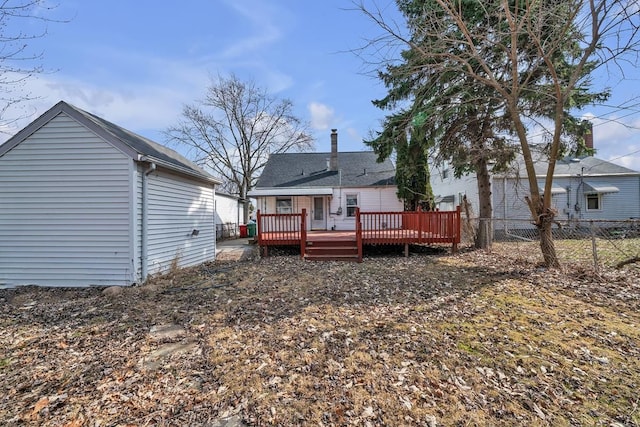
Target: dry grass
x,y
471,339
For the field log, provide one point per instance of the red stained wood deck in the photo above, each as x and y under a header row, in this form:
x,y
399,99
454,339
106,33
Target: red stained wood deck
x,y
390,228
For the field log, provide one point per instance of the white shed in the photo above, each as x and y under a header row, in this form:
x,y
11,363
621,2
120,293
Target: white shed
x,y
86,202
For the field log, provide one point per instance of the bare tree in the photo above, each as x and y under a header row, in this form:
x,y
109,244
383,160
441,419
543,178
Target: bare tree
x,y
518,44
18,62
235,128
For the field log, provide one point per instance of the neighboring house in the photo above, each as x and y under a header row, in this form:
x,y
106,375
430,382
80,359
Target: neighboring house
x,y
330,186
585,188
229,215
86,202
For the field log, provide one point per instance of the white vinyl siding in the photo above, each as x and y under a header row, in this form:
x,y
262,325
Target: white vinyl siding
x,y
65,209
137,242
228,210
371,199
176,207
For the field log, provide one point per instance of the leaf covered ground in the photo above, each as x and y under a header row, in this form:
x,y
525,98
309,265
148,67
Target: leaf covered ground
x,y
433,339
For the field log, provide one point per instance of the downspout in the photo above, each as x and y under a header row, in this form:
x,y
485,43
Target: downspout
x,y
145,218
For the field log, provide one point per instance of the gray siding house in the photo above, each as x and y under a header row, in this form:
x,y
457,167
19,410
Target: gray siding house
x,y
328,185
585,188
86,202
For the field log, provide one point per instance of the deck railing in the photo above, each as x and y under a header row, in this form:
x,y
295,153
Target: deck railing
x,y
282,229
409,227
390,228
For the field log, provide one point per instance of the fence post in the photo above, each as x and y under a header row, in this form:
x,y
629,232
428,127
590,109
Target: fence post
x,y
594,246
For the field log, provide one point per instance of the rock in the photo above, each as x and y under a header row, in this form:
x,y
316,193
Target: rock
x,y
112,291
156,358
169,331
431,420
233,421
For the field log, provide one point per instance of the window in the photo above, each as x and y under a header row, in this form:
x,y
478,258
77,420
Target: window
x,y
593,202
444,172
352,204
284,205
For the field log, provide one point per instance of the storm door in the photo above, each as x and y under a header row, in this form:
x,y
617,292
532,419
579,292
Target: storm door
x,y
318,217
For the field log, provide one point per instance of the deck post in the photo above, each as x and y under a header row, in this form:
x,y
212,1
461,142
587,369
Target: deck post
x,y
359,234
259,227
406,250
455,230
419,213
303,232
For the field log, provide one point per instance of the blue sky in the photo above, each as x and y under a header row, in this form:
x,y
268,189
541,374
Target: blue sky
x,y
136,63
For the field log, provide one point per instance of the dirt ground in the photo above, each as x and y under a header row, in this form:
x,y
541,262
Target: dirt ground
x,y
433,339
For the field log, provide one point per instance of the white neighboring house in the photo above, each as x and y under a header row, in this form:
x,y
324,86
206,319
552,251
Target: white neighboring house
x,y
585,188
229,215
86,202
328,185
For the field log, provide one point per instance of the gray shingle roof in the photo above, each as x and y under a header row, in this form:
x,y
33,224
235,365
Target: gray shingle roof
x,y
570,166
308,170
129,142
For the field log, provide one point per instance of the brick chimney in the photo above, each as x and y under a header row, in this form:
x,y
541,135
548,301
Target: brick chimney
x,y
588,137
333,164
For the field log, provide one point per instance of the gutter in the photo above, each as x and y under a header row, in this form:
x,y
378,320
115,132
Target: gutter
x,y
144,227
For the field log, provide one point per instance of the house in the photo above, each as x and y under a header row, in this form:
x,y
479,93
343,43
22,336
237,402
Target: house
x,y
229,215
86,202
585,188
330,186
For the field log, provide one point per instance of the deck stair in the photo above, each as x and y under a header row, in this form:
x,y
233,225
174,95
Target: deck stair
x,y
338,248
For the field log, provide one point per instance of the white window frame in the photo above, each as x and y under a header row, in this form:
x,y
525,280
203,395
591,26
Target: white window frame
x,y
597,197
347,205
284,209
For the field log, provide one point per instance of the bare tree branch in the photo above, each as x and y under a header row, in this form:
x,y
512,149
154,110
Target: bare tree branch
x,y
235,128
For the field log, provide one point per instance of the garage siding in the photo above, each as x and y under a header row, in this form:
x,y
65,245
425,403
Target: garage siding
x,y
65,209
176,207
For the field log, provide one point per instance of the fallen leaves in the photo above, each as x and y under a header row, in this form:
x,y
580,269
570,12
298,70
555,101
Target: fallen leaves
x,y
474,338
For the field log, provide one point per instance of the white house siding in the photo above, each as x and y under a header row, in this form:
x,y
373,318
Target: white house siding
x,y
65,209
137,237
228,211
444,185
177,206
370,199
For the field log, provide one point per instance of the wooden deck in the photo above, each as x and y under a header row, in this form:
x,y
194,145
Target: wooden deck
x,y
372,228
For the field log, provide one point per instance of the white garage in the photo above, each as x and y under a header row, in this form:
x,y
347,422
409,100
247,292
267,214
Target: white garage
x,y
86,202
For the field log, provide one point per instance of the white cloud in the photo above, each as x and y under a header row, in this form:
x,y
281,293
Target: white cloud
x,y
617,139
322,116
263,31
152,100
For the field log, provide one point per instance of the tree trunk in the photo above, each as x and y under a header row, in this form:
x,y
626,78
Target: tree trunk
x,y
245,211
484,233
547,245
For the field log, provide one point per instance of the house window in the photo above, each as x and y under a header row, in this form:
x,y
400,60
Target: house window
x,y
594,203
445,170
352,204
284,205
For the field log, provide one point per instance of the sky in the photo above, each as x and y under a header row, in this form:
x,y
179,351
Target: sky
x,y
137,63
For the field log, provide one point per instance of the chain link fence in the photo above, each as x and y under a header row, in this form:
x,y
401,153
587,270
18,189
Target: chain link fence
x,y
227,230
588,244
